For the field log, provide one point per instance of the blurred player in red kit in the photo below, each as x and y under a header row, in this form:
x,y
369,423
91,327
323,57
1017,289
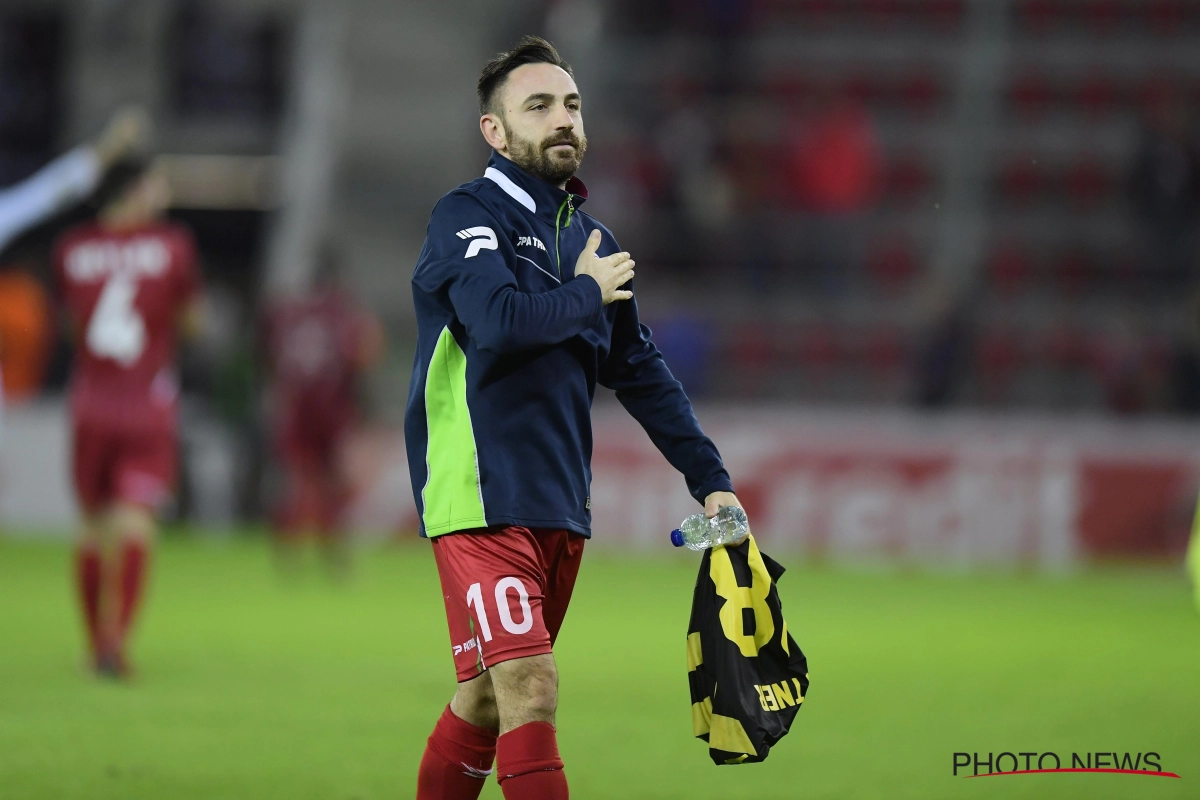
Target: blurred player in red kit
x,y
317,345
130,285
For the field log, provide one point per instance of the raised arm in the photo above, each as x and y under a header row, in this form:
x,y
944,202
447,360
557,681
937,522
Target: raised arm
x,y
66,180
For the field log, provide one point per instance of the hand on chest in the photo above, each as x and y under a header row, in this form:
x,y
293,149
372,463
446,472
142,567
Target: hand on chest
x,y
546,260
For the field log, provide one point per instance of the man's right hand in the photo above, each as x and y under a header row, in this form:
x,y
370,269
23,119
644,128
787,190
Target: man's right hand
x,y
610,271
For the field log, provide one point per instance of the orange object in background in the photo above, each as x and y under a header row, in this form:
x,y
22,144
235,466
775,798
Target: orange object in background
x,y
25,334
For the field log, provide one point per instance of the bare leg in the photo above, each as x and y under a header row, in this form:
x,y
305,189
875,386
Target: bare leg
x,y
475,703
526,690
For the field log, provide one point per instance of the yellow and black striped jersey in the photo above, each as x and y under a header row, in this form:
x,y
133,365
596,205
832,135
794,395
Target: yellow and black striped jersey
x,y
747,675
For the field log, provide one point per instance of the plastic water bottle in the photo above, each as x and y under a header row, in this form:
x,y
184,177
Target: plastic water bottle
x,y
698,532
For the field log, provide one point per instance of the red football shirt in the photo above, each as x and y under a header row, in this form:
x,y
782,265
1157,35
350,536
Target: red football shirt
x,y
315,345
124,292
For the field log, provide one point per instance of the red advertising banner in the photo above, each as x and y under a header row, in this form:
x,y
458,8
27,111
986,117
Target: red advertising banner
x,y
949,489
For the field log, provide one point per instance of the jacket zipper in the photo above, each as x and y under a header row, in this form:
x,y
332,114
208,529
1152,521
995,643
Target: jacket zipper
x,y
570,206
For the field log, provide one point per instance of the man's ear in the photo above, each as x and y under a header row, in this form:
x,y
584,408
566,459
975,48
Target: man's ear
x,y
493,132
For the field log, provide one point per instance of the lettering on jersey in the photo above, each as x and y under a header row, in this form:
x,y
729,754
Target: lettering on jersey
x,y
482,238
778,696
531,241
93,261
467,646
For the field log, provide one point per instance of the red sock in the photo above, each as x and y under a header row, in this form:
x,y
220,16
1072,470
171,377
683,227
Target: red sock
x,y
458,758
89,568
131,580
528,766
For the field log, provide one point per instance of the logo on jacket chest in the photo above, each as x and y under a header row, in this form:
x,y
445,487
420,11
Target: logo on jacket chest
x,y
531,241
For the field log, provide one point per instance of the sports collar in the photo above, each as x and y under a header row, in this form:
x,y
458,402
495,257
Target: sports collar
x,y
537,196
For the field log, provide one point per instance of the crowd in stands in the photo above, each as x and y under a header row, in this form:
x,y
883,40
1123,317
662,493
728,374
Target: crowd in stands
x,y
790,156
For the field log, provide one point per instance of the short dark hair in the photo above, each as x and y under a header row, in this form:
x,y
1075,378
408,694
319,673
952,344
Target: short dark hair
x,y
530,50
119,179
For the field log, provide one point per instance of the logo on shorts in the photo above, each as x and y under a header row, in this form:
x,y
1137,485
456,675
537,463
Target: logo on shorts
x,y
469,645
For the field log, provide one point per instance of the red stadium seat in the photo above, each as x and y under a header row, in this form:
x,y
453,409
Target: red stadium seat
x,y
882,13
892,265
921,92
1023,180
997,355
788,88
1073,270
813,345
1009,269
907,178
1040,16
885,350
1165,17
943,15
817,13
1103,16
1031,95
751,346
1063,347
750,356
1159,89
861,87
1087,183
1097,95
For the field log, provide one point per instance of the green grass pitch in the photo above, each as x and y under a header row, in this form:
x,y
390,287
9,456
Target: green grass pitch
x,y
254,687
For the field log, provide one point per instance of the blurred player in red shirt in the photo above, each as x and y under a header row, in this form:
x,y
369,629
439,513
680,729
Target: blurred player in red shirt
x,y
317,346
129,283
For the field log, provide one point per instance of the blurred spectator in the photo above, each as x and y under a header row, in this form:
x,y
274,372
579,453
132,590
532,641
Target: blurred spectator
x,y
834,171
1165,186
836,167
25,332
941,356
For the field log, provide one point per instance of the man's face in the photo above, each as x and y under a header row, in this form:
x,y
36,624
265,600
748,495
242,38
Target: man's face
x,y
541,122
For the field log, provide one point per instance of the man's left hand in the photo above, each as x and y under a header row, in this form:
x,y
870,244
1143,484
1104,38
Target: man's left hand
x,y
714,502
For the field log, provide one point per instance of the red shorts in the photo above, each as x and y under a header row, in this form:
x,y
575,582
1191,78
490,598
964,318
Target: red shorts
x,y
123,465
506,591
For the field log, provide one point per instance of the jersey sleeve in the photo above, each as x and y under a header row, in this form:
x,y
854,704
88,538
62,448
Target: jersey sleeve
x,y
463,258
644,385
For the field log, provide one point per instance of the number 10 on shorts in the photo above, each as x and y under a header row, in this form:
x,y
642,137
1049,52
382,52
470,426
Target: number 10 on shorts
x,y
475,601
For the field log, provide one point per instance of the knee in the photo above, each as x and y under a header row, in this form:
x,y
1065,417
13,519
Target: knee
x,y
526,689
475,702
540,693
132,522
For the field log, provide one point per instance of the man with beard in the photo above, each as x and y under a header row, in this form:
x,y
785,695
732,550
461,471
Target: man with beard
x,y
524,303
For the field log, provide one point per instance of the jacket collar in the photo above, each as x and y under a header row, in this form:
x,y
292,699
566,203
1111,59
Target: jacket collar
x,y
538,197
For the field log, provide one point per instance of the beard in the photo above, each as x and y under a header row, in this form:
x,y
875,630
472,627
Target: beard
x,y
536,158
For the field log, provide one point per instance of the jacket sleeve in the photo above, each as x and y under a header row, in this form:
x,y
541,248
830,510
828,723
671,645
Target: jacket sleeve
x,y
635,370
464,258
63,182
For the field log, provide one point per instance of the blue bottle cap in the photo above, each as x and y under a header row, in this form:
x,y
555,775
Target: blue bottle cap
x,y
677,537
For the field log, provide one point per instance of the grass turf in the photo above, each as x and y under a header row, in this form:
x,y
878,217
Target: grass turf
x,y
253,687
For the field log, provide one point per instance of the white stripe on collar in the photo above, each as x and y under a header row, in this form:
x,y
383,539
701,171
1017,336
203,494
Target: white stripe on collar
x,y
513,191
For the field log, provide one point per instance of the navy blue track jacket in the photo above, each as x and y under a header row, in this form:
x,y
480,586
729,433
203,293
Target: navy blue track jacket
x,y
510,346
